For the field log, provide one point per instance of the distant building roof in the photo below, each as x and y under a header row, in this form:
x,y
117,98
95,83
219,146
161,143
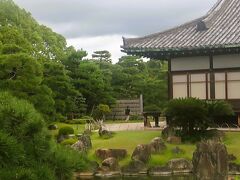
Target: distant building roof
x,y
218,30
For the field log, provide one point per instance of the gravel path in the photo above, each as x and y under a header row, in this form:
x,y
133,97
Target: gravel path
x,y
132,126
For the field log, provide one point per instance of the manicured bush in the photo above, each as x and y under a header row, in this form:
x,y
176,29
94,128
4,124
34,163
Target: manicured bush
x,y
219,109
187,114
101,111
192,114
66,130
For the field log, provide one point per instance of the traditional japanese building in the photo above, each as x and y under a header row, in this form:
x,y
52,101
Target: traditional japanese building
x,y
203,55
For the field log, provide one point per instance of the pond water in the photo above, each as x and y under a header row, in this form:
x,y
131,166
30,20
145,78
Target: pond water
x,y
147,178
177,177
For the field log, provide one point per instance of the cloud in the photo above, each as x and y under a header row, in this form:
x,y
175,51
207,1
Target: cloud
x,y
81,18
100,24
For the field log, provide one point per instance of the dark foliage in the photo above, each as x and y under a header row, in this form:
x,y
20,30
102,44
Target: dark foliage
x,y
191,114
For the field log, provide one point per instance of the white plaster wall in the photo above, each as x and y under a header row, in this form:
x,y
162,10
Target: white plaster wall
x,y
226,61
190,63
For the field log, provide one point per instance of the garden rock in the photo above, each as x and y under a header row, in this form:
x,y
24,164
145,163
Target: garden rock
x,y
86,140
79,146
174,140
177,150
180,165
135,167
167,132
107,153
210,160
53,127
157,145
110,164
142,153
159,171
104,132
84,143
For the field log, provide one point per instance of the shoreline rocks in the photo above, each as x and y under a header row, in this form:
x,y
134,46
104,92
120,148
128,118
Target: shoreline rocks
x,y
135,167
142,153
210,160
107,153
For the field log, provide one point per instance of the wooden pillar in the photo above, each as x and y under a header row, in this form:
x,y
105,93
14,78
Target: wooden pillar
x,y
238,119
170,87
156,118
212,78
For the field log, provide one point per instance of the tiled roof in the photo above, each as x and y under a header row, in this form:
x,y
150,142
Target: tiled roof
x,y
219,28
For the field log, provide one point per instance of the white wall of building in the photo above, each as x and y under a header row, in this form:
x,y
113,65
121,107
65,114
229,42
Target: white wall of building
x,y
226,61
190,63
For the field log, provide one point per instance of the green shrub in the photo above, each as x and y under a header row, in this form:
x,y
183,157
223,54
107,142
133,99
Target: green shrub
x,y
60,117
66,130
70,141
219,109
18,173
187,114
135,117
27,151
101,111
191,114
11,152
66,161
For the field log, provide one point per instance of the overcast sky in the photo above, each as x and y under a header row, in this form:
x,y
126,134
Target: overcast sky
x,y
100,24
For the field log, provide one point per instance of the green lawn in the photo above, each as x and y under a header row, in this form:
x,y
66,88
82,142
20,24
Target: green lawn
x,y
130,139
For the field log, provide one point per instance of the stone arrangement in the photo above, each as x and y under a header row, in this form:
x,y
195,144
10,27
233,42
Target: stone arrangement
x,y
210,160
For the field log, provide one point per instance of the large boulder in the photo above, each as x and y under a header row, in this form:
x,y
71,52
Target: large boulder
x,y
157,145
86,140
107,153
180,165
142,153
174,140
135,167
84,143
110,164
103,132
210,160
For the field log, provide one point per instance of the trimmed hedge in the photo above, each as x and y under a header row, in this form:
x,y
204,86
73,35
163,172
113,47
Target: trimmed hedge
x,y
66,130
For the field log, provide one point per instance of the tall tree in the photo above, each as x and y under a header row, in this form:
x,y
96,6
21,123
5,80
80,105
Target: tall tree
x,y
102,56
67,99
23,76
